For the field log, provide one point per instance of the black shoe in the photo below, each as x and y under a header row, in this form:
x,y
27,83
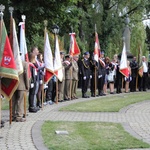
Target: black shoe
x,y
34,110
66,99
85,96
2,124
101,94
92,95
111,92
61,101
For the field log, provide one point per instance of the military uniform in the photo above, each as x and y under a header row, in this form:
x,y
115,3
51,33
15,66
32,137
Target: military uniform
x,y
85,72
93,85
61,84
68,78
18,97
75,70
101,77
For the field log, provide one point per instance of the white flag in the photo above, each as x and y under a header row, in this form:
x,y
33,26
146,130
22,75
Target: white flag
x,y
57,62
16,51
23,45
48,59
123,62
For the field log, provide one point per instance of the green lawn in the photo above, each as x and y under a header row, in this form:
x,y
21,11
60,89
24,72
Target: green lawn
x,y
88,136
110,103
94,135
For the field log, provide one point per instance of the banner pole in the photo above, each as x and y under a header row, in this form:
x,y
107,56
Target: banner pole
x,y
10,111
0,103
25,112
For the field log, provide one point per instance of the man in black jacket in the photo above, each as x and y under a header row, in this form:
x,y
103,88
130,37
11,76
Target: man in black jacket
x,y
86,73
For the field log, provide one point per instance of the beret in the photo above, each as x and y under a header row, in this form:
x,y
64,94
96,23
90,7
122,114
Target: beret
x,y
86,53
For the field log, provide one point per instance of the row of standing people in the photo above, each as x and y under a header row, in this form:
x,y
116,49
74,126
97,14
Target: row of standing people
x,y
105,73
31,85
99,74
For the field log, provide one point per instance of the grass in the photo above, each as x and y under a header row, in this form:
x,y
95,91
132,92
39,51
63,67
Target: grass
x,y
5,104
94,135
108,103
88,136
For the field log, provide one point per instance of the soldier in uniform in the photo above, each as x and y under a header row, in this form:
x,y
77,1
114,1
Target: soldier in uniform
x,y
68,77
18,97
101,76
61,84
85,73
94,68
75,70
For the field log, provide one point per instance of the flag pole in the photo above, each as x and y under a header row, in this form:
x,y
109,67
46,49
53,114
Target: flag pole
x,y
71,71
95,70
11,9
55,30
45,24
2,7
23,17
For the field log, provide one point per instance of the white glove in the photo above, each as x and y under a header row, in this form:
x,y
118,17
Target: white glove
x,y
99,76
32,85
41,81
84,78
45,86
90,76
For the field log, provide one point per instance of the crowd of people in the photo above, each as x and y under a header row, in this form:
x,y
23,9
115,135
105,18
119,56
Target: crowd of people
x,y
85,73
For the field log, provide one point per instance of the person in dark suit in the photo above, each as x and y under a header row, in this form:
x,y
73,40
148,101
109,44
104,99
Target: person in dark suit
x,y
18,97
101,76
85,73
33,84
94,70
119,77
143,79
134,69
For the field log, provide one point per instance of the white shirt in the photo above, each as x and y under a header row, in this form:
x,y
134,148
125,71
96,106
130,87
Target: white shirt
x,y
145,68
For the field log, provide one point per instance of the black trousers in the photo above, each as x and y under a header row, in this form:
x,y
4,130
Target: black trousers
x,y
100,85
85,84
143,81
51,91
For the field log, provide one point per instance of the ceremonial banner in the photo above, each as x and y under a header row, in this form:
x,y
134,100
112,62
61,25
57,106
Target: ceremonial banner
x,y
48,59
23,45
123,63
140,68
15,46
97,48
8,70
57,61
74,49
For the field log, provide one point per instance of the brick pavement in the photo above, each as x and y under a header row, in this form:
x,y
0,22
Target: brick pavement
x,y
27,135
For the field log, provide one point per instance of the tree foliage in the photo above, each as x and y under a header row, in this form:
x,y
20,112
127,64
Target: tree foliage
x,y
81,16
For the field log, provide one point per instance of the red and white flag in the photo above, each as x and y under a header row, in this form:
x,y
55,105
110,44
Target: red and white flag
x,y
48,59
23,45
97,48
57,62
123,63
74,49
8,70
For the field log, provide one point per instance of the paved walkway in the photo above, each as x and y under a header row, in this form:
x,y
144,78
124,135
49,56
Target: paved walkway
x,y
27,135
